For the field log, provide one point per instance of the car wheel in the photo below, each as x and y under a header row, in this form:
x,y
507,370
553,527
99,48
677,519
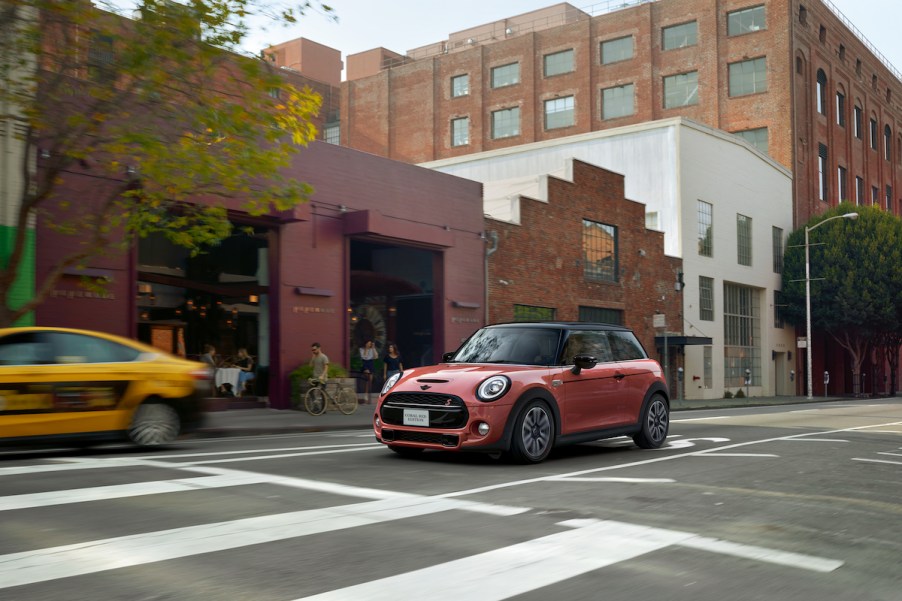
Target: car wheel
x,y
533,433
654,425
154,424
406,451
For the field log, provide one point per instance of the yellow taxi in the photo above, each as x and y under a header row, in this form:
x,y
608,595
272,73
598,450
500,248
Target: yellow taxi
x,y
64,385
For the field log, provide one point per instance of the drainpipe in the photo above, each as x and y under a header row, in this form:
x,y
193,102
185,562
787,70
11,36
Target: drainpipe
x,y
491,247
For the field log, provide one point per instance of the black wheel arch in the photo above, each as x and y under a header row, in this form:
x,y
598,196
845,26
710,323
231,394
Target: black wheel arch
x,y
526,396
656,388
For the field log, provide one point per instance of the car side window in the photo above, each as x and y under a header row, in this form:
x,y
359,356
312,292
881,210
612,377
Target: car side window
x,y
587,342
77,348
625,346
30,348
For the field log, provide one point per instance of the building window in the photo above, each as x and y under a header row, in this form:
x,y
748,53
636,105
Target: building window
x,y
822,172
887,143
559,112
748,77
821,92
558,62
618,102
840,109
681,90
600,258
601,315
744,240
889,197
778,310
101,58
803,15
873,132
822,34
842,182
275,92
857,123
506,123
777,236
705,212
708,366
505,75
875,196
460,85
705,298
531,313
742,335
460,131
652,220
679,36
746,20
331,133
613,51
756,137
859,190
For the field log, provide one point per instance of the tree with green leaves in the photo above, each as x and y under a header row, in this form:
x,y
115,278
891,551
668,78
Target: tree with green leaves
x,y
856,279
158,107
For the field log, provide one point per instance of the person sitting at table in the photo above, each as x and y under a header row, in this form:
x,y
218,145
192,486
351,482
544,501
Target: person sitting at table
x,y
209,357
245,363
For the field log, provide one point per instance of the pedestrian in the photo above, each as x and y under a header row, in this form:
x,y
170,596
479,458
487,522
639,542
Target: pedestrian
x,y
245,363
391,363
368,356
320,363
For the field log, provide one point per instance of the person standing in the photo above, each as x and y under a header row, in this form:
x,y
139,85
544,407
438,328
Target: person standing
x,y
368,356
391,363
320,363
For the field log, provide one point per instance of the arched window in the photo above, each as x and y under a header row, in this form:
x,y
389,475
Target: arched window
x,y
887,143
821,92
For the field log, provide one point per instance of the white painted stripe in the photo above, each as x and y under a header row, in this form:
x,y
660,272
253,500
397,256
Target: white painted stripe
x,y
374,447
517,569
92,464
29,567
795,560
348,446
816,440
624,480
699,419
890,454
738,455
876,461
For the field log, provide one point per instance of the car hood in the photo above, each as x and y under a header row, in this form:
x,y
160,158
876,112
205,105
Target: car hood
x,y
461,374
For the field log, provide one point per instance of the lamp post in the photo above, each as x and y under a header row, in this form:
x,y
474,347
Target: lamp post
x,y
852,216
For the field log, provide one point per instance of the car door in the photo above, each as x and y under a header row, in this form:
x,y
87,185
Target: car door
x,y
591,396
635,367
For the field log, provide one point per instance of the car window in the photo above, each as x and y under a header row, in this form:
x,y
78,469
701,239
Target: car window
x,y
78,348
27,348
625,346
528,346
587,342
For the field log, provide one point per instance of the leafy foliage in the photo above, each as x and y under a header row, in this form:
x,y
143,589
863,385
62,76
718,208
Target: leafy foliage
x,y
159,110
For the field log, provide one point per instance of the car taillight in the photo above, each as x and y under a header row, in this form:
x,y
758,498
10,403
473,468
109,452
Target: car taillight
x,y
202,374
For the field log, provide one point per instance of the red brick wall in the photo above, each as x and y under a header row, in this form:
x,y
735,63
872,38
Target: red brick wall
x,y
541,259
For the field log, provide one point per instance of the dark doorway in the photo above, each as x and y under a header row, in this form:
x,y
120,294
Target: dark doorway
x,y
391,301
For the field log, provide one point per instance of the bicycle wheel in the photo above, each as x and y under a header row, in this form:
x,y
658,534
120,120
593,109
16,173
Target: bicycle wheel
x,y
347,401
315,401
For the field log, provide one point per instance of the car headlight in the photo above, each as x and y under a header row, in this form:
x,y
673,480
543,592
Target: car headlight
x,y
493,388
390,382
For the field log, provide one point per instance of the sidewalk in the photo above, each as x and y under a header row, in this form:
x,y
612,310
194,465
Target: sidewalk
x,y
252,422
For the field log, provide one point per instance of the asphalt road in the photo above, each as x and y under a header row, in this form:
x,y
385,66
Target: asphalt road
x,y
792,502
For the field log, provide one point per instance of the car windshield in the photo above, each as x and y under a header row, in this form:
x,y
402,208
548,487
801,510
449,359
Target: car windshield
x,y
522,346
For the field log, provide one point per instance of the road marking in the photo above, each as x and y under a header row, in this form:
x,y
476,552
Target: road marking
x,y
699,419
66,561
738,455
888,453
876,460
527,566
817,440
625,480
349,446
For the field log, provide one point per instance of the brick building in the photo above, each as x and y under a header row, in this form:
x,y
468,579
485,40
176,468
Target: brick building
x,y
732,65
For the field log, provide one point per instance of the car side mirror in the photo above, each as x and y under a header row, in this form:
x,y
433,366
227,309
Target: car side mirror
x,y
581,362
447,357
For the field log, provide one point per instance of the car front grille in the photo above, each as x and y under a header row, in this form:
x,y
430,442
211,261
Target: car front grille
x,y
446,440
445,411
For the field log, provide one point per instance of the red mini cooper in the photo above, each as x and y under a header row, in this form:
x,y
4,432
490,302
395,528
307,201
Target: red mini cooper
x,y
520,389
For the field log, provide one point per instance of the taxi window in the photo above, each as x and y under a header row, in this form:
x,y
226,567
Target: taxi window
x,y
27,348
78,348
626,347
587,342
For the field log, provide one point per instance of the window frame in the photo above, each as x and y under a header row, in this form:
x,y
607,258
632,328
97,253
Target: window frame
x,y
758,83
455,91
603,244
704,212
455,143
691,39
569,107
494,122
743,240
705,298
503,76
688,85
571,62
605,101
735,18
621,55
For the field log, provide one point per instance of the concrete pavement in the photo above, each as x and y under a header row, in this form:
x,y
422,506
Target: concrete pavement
x,y
258,421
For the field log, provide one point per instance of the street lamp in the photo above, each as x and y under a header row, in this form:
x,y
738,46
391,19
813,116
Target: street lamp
x,y
852,216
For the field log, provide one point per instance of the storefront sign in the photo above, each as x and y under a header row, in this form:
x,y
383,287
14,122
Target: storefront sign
x,y
82,294
305,309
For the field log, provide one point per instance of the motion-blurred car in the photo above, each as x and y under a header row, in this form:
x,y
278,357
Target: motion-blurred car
x,y
521,389
62,385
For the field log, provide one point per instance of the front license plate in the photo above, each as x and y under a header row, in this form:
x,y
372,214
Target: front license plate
x,y
416,417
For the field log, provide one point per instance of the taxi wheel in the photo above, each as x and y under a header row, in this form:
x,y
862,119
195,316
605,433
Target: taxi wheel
x,y
154,424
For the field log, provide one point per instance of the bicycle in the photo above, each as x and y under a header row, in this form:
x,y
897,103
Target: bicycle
x,y
318,399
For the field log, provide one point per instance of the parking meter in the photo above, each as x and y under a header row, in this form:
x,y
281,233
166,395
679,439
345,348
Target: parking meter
x,y
826,381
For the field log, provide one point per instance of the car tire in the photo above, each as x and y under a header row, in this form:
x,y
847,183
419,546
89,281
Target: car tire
x,y
154,424
406,451
533,435
654,424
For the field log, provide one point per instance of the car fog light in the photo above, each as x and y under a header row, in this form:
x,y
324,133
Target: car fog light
x,y
378,422
482,428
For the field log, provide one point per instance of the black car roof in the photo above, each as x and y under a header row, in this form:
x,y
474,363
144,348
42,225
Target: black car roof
x,y
569,325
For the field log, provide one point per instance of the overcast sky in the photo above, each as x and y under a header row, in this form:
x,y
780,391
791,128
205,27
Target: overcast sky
x,y
402,25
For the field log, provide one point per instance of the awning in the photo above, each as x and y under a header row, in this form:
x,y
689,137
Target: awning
x,y
682,340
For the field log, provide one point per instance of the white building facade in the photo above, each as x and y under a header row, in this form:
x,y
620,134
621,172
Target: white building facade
x,y
725,209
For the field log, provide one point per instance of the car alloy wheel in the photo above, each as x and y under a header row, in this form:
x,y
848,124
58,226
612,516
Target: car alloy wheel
x,y
655,424
534,433
154,424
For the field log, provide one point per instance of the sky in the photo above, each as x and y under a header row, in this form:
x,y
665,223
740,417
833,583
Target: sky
x,y
402,25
